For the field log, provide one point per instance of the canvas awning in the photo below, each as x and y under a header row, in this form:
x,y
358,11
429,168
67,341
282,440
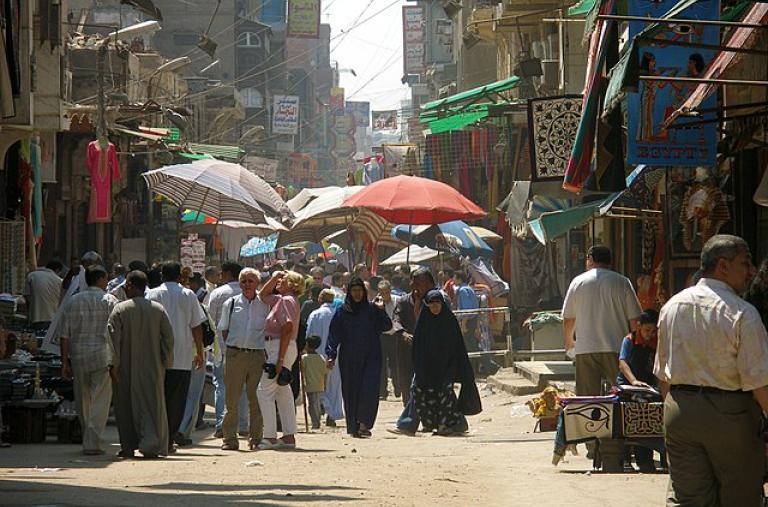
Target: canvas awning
x,y
742,37
454,121
217,150
489,92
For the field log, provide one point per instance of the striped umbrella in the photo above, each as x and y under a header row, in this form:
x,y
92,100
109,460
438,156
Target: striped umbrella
x,y
222,190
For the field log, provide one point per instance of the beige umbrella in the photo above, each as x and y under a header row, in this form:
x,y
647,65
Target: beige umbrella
x,y
485,234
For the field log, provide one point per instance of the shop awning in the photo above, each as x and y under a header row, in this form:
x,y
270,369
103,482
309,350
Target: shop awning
x,y
624,76
556,223
217,150
581,8
455,121
742,37
541,196
489,92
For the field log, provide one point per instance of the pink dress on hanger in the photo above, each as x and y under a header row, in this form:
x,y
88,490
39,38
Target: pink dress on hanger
x,y
102,170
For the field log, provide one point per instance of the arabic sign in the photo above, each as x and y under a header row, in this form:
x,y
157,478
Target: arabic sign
x,y
285,115
385,120
304,19
414,47
337,101
361,112
265,168
649,142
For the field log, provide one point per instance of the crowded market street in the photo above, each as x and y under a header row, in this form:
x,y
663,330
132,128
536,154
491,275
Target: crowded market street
x,y
500,462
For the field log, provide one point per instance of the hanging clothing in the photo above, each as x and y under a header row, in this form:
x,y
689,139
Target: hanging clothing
x,y
103,168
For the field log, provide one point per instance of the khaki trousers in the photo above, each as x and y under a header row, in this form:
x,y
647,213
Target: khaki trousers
x,y
715,450
242,367
93,396
592,368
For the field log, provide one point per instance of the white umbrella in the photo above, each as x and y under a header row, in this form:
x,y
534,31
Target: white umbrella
x,y
219,189
327,209
269,226
417,254
306,196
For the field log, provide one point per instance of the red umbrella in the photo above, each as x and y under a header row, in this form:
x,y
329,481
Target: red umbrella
x,y
415,201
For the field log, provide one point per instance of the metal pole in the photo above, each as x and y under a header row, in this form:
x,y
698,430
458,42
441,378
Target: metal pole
x,y
677,21
740,82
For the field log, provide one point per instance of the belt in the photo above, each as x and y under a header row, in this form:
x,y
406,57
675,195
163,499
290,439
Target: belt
x,y
242,349
704,389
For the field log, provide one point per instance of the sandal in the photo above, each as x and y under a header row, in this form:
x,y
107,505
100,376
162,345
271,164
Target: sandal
x,y
282,444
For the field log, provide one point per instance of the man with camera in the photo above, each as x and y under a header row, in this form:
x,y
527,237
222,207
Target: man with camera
x,y
243,318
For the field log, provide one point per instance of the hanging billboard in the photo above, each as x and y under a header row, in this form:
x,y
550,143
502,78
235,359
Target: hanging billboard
x,y
385,120
361,112
285,115
649,142
304,19
337,101
414,39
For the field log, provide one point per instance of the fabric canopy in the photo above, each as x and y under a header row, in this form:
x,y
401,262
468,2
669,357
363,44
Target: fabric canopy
x,y
581,8
453,237
456,121
556,223
417,254
475,94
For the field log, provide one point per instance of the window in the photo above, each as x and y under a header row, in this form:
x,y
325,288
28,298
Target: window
x,y
252,97
249,40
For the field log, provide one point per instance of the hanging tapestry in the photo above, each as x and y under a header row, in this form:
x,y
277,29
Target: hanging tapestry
x,y
642,419
552,122
588,421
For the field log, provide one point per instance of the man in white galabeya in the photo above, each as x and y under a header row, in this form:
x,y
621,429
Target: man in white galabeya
x,y
712,361
599,309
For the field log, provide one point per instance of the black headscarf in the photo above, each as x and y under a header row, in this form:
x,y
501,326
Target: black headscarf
x,y
349,304
440,356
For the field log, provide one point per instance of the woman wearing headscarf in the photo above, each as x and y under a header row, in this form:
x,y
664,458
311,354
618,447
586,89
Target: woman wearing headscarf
x,y
440,359
356,327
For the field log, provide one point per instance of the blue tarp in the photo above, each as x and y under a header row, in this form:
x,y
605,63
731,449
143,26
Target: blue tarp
x,y
259,245
456,238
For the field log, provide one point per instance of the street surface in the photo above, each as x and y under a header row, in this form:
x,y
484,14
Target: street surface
x,y
500,463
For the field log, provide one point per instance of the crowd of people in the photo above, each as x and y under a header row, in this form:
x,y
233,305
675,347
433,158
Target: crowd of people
x,y
144,338
706,351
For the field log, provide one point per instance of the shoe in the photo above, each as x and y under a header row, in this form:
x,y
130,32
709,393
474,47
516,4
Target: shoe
x,y
282,444
181,440
93,452
330,422
266,445
365,433
126,455
229,447
218,434
172,449
398,431
150,455
243,433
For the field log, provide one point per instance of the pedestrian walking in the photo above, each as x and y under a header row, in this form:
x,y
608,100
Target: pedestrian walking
x,y
143,342
230,276
712,363
315,372
42,292
280,332
440,359
186,316
87,356
356,328
600,308
242,324
389,345
319,324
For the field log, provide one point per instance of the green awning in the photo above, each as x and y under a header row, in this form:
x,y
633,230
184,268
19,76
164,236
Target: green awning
x,y
217,151
581,8
475,94
456,122
556,223
195,156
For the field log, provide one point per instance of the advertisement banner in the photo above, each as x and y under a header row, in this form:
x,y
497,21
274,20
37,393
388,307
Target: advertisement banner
x,y
361,112
414,38
385,120
304,19
285,115
649,142
337,101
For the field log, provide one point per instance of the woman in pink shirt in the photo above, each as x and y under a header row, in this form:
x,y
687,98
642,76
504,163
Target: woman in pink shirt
x,y
281,293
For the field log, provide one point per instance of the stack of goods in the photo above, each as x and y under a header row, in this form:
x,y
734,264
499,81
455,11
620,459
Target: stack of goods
x,y
22,388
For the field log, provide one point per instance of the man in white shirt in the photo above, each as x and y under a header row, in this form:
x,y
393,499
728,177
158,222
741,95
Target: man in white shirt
x,y
186,316
712,361
242,323
600,309
43,292
230,274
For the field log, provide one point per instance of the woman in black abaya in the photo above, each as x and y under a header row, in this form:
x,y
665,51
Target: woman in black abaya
x,y
440,359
